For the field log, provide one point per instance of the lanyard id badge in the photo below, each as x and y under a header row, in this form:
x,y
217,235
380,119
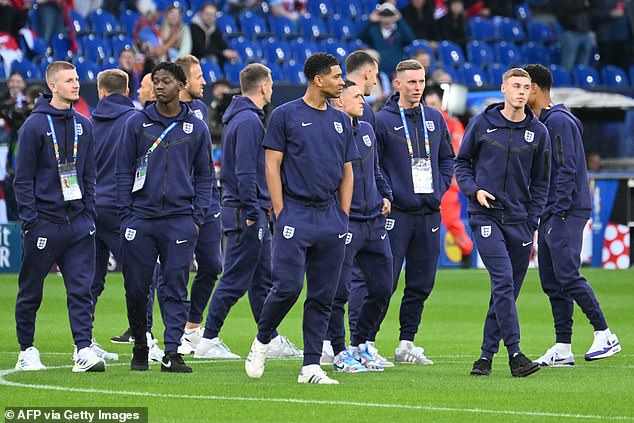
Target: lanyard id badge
x,y
68,181
422,176
140,173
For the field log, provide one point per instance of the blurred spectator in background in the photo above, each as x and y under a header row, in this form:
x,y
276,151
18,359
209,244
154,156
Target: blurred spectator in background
x,y
174,28
452,26
147,36
389,34
50,18
221,91
207,41
593,161
424,58
127,63
613,31
115,6
85,7
235,7
419,15
576,41
14,14
291,9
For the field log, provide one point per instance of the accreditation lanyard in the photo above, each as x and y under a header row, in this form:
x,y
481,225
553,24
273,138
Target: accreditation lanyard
x,y
142,163
422,173
66,171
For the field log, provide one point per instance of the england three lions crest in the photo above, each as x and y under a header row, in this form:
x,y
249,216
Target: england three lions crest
x,y
430,125
529,136
288,232
41,243
130,234
338,127
367,141
79,129
188,127
389,224
198,114
485,231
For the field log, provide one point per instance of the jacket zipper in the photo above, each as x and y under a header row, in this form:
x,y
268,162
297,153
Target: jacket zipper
x,y
167,150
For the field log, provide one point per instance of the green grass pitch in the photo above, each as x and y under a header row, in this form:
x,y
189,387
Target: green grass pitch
x,y
450,332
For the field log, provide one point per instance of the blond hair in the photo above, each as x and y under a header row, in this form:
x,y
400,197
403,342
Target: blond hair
x,y
113,81
53,68
515,72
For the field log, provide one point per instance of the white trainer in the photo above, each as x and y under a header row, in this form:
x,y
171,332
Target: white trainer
x,y
155,352
367,359
605,344
384,362
556,358
348,363
254,365
314,374
88,361
409,353
327,354
29,360
281,347
190,340
101,353
213,348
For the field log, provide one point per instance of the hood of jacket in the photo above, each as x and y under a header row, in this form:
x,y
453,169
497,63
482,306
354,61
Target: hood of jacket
x,y
494,116
112,106
240,104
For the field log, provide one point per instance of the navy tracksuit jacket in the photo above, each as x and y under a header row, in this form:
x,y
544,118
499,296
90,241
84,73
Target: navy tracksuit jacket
x,y
161,219
310,230
413,226
245,196
510,160
367,242
108,121
55,230
561,226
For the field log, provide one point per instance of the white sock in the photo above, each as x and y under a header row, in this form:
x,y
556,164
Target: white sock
x,y
189,331
405,345
326,344
603,333
565,349
370,343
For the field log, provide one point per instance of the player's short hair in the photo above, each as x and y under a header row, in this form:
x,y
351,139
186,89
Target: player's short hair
x,y
515,72
433,90
358,59
348,83
186,62
540,75
176,71
252,76
408,64
319,64
53,68
113,81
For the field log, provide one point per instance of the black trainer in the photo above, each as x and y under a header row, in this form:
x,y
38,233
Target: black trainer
x,y
125,338
139,357
173,362
522,366
481,367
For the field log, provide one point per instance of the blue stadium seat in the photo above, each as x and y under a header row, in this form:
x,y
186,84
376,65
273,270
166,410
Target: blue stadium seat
x,y
109,63
301,49
37,50
94,48
249,51
322,8
87,70
253,26
211,71
282,27
336,48
540,32
455,72
585,76
277,73
79,23
632,74
26,68
227,25
355,44
342,28
350,8
128,20
232,71
103,23
3,73
522,12
450,53
196,5
120,42
482,29
614,76
561,76
295,73
509,29
313,27
494,73
276,51
480,53
508,54
43,63
535,53
474,76
419,45
554,49
61,47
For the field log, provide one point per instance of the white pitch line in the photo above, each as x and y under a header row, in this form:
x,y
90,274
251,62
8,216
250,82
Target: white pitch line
x,y
8,372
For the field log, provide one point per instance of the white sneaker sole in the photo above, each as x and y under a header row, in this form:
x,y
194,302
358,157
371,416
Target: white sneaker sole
x,y
98,366
609,353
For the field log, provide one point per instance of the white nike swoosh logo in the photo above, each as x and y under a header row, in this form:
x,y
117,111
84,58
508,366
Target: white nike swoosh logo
x,y
181,241
48,134
549,229
216,214
397,128
435,229
384,235
168,364
145,125
491,130
341,235
524,244
93,231
306,123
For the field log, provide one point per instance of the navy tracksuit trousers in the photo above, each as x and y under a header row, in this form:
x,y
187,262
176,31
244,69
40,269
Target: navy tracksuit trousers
x,y
415,238
173,240
247,268
358,296
72,246
505,250
107,239
559,250
310,238
368,245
